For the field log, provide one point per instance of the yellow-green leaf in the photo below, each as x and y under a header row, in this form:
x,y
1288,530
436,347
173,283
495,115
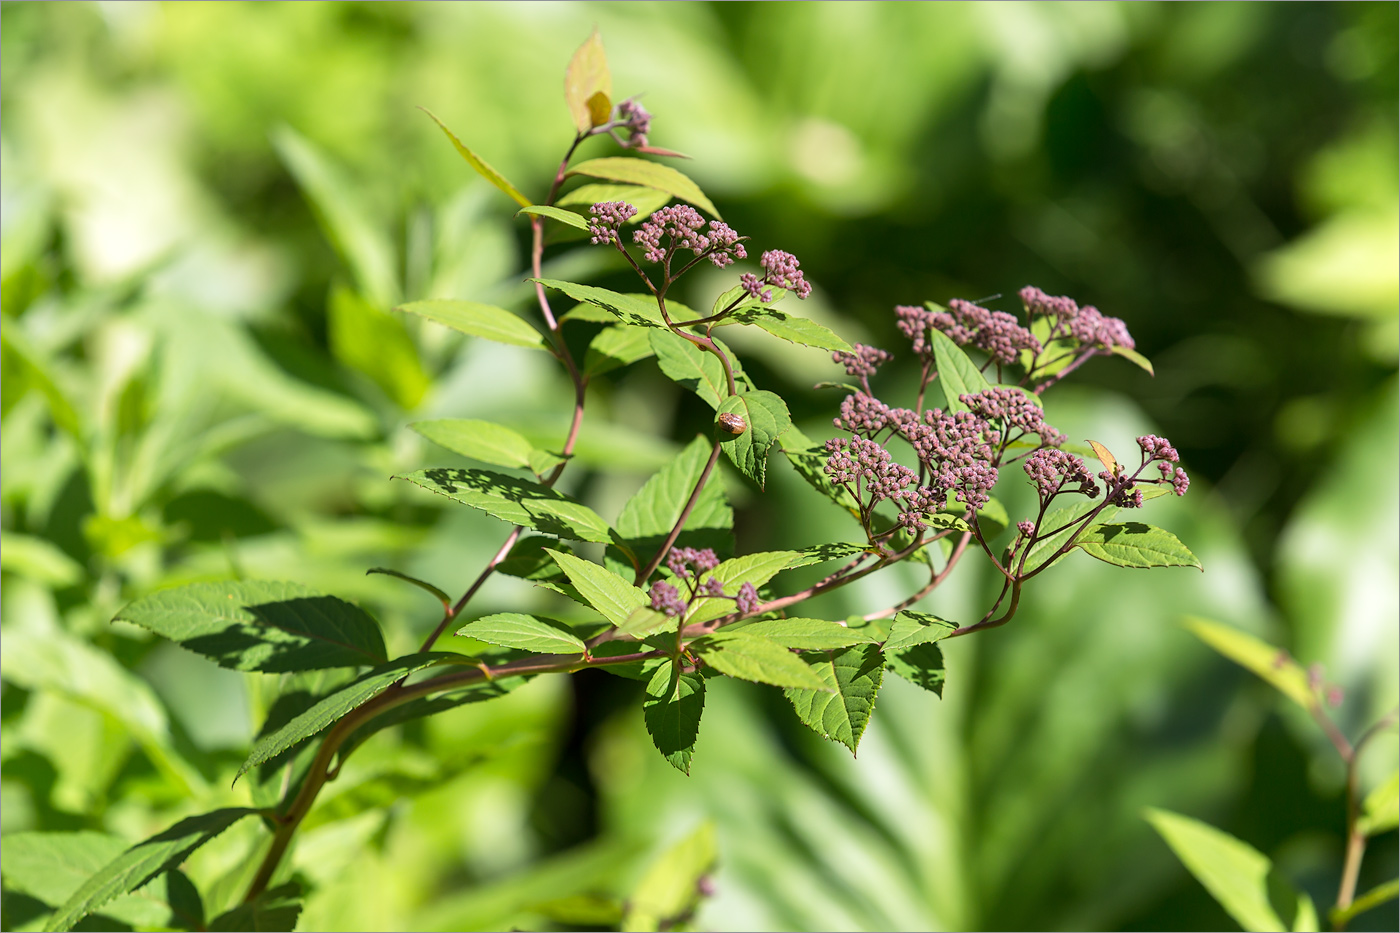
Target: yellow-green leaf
x,y
1273,664
478,163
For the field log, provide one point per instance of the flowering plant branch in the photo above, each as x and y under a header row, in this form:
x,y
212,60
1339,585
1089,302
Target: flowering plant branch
x,y
671,603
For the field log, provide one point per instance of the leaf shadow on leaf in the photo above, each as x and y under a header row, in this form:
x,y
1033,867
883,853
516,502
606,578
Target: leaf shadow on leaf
x,y
22,912
239,638
523,492
1109,532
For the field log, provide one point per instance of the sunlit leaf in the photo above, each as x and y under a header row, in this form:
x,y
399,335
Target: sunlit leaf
x,y
852,678
612,596
528,633
752,657
956,371
476,162
1272,664
805,634
766,417
1135,544
916,628
649,174
480,440
517,501
479,320
1381,811
569,218
690,366
586,78
790,327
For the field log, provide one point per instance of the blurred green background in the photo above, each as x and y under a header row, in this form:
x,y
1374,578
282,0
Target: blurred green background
x,y
208,210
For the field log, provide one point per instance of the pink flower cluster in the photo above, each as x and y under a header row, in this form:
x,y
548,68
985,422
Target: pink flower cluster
x,y
608,216
780,269
863,362
1087,325
683,227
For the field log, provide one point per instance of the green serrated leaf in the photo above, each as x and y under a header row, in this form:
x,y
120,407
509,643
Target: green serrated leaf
x,y
674,701
517,501
644,620
274,909
1235,873
756,568
480,440
479,320
586,77
1056,520
142,862
819,553
649,516
805,634
612,596
615,347
921,665
754,658
1135,544
1134,357
476,162
852,679
527,633
647,201
691,367
956,371
261,625
568,218
648,174
916,628
767,417
1381,811
325,712
1272,664
629,309
789,327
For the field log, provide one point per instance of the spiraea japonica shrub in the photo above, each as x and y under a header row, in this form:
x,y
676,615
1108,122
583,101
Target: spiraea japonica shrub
x,y
666,597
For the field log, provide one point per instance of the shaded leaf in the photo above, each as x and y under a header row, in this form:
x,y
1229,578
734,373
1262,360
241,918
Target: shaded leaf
x,y
479,320
852,679
615,347
921,665
480,440
612,596
527,633
1235,873
751,657
328,710
956,371
274,909
648,174
529,559
819,553
1134,357
517,501
767,417
144,861
1135,544
674,701
756,568
261,625
424,707
586,78
476,162
1063,522
1272,664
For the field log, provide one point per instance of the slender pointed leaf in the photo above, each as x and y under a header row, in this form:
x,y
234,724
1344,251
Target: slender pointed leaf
x,y
756,568
956,371
479,320
1136,358
328,710
144,861
629,309
1235,873
674,701
649,174
806,634
649,516
517,501
261,625
790,327
480,440
568,218
527,633
852,677
476,162
612,596
1272,664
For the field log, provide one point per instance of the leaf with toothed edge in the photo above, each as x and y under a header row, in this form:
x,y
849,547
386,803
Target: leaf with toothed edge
x,y
766,417
674,701
852,677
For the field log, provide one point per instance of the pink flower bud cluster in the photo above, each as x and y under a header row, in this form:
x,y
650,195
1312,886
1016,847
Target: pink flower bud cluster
x,y
691,564
1012,408
608,216
746,602
682,226
863,362
868,470
780,269
1160,449
666,598
1054,471
862,414
633,117
1087,325
681,559
997,332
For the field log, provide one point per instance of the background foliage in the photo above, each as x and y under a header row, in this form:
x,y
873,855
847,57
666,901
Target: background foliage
x,y
208,210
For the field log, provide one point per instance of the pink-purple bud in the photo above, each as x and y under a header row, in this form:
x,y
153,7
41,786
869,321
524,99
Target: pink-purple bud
x,y
747,600
666,598
608,216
